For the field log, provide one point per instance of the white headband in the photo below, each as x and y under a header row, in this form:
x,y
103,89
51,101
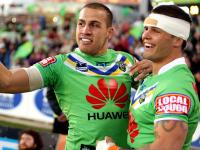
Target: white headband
x,y
171,25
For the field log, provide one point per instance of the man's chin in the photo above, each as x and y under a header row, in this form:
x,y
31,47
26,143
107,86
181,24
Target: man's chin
x,y
146,56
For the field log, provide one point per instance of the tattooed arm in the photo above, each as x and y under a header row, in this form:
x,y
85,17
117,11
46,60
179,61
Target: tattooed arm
x,y
169,134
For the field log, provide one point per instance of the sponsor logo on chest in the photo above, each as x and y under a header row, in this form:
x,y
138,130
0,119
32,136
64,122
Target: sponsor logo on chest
x,y
108,116
108,93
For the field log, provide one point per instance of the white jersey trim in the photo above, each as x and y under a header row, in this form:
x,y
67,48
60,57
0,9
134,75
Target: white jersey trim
x,y
99,67
102,69
35,78
172,64
161,119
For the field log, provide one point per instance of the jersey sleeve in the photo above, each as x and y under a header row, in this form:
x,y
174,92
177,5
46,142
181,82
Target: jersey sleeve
x,y
176,102
50,69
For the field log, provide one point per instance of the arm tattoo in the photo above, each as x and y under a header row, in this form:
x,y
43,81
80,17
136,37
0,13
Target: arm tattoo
x,y
166,127
174,123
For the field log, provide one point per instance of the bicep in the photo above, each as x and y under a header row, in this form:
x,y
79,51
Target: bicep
x,y
23,80
170,134
16,82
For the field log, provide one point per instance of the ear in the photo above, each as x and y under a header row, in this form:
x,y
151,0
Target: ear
x,y
110,32
177,43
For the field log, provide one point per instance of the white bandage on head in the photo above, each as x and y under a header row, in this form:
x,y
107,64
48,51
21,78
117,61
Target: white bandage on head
x,y
174,26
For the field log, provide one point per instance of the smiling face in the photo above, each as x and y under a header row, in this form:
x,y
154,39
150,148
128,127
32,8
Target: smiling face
x,y
92,32
158,45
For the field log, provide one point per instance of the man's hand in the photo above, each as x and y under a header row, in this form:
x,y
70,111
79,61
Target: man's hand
x,y
62,118
143,67
106,144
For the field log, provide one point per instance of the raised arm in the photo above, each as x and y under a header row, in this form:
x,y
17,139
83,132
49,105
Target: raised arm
x,y
13,81
19,80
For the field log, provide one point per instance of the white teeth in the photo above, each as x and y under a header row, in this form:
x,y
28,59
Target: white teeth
x,y
148,45
86,40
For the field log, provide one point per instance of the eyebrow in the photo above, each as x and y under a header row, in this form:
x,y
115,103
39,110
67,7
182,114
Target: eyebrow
x,y
92,21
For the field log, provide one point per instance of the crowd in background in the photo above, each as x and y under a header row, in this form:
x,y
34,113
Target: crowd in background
x,y
28,40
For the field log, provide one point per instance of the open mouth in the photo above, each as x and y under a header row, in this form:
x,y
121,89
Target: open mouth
x,y
148,45
86,40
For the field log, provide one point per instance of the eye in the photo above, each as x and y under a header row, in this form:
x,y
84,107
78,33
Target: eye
x,y
145,28
156,30
80,24
95,24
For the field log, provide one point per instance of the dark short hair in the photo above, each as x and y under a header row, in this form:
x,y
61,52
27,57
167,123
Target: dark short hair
x,y
173,11
36,136
100,6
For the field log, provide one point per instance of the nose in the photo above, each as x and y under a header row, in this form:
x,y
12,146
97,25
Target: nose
x,y
86,29
146,34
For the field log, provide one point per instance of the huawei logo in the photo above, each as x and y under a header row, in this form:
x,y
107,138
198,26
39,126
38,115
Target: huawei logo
x,y
132,128
107,91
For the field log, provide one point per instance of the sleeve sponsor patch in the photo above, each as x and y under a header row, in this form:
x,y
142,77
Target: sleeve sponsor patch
x,y
47,61
172,103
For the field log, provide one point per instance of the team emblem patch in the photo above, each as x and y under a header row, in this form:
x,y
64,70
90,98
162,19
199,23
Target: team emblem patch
x,y
122,66
173,103
81,66
47,61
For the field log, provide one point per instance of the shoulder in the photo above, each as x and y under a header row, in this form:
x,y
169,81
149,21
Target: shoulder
x,y
125,54
180,76
177,89
52,60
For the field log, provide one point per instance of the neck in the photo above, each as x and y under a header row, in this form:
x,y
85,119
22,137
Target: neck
x,y
157,67
101,53
159,64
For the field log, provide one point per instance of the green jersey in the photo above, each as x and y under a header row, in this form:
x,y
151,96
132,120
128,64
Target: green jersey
x,y
93,92
169,95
